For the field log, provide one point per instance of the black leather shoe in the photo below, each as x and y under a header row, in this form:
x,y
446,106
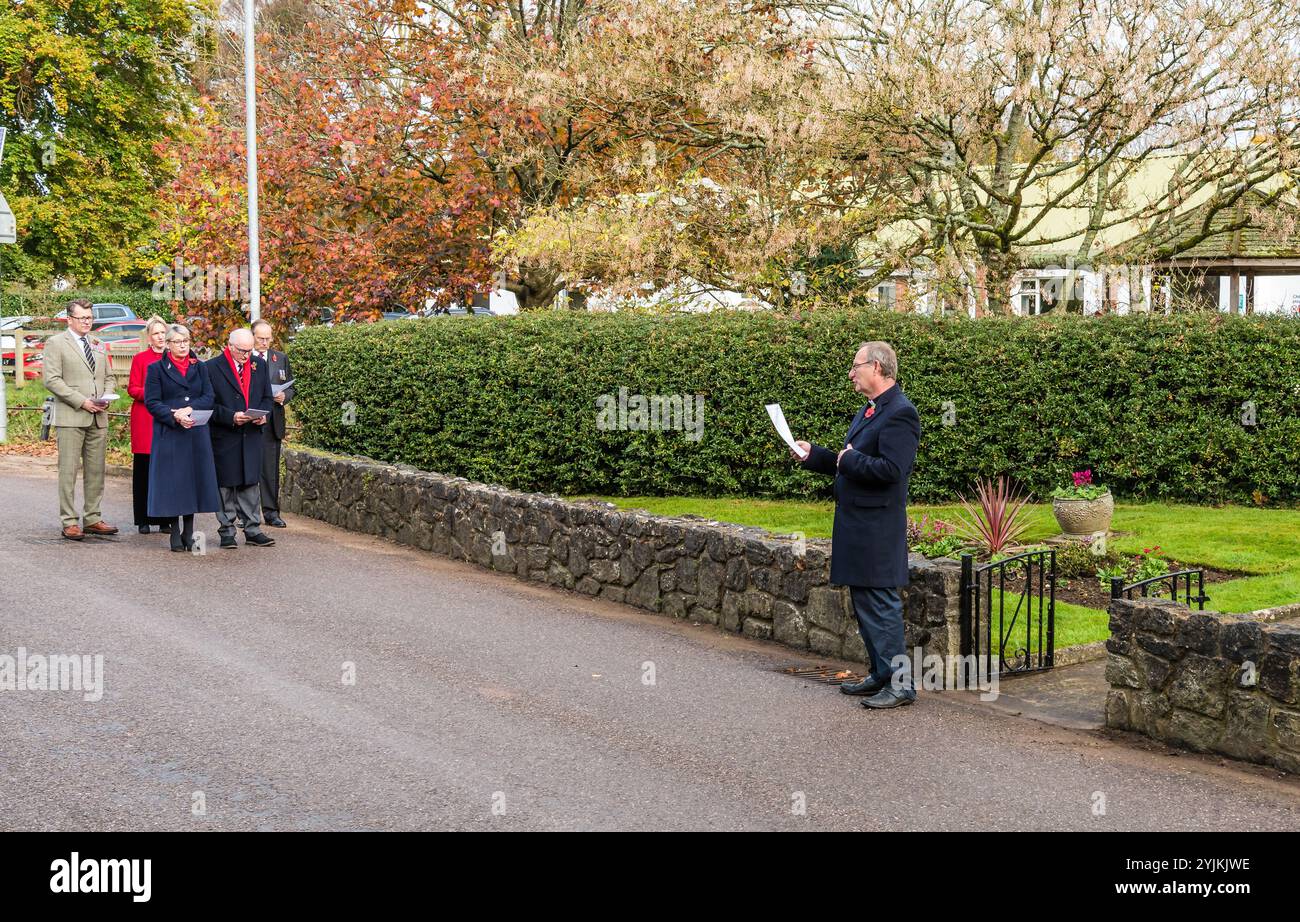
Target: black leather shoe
x,y
867,686
177,544
229,543
259,540
144,529
164,529
888,698
276,522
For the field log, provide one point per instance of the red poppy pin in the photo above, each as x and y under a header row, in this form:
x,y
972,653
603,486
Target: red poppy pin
x,y
871,409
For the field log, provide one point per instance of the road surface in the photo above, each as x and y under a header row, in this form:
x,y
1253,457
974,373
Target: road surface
x,y
479,702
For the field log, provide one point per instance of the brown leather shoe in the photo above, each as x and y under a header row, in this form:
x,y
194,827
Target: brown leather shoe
x,y
101,528
73,533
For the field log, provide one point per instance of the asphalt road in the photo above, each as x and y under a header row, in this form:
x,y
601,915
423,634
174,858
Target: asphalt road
x,y
483,703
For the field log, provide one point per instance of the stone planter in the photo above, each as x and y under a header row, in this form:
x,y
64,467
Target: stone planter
x,y
1084,517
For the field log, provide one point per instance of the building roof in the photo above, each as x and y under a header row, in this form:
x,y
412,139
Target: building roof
x,y
1267,236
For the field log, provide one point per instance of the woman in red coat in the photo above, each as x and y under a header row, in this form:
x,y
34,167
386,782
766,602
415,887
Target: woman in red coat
x,y
153,341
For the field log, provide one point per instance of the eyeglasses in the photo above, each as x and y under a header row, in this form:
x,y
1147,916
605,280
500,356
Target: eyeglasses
x,y
240,351
857,365
178,342
81,317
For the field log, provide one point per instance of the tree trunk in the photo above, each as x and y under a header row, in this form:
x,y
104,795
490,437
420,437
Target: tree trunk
x,y
999,270
535,288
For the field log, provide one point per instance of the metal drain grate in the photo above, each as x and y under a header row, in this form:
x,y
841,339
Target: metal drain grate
x,y
828,675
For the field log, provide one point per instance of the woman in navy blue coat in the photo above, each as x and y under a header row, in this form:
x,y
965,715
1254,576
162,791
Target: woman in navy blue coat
x,y
183,477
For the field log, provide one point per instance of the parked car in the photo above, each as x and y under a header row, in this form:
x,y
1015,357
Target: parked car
x,y
458,311
121,332
33,367
30,341
124,326
15,323
104,314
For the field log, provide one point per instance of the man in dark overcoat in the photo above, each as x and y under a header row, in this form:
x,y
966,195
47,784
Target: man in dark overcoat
x,y
869,537
281,373
240,383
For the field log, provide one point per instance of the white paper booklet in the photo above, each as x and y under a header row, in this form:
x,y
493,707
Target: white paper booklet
x,y
783,430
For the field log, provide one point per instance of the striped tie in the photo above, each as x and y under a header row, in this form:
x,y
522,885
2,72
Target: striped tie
x,y
90,356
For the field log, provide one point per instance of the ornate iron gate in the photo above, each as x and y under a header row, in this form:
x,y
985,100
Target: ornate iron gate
x,y
1008,612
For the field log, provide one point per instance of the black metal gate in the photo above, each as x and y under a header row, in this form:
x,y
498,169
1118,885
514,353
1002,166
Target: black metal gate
x,y
1008,612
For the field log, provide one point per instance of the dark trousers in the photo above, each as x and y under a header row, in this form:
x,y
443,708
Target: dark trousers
x,y
880,622
140,492
271,477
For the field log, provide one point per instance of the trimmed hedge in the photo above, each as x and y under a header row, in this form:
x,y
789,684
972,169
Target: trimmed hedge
x,y
1153,404
41,303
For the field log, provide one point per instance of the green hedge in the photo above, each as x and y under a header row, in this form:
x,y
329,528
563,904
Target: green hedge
x,y
1154,405
43,303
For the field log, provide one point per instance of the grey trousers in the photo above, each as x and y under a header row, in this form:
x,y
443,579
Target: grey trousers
x,y
242,503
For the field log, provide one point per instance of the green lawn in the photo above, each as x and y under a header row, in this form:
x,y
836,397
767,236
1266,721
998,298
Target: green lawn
x,y
1262,542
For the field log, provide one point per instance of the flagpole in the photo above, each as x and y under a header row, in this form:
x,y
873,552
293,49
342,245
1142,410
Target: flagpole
x,y
250,141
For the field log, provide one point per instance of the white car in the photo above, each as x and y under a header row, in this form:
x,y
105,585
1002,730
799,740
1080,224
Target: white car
x,y
14,323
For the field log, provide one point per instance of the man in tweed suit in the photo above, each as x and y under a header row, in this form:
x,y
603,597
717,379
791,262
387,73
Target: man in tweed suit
x,y
76,373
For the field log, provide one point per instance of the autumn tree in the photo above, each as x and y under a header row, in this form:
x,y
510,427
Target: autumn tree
x,y
713,166
1006,113
369,196
88,90
400,139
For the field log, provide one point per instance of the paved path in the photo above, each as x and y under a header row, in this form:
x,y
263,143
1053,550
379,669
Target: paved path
x,y
474,690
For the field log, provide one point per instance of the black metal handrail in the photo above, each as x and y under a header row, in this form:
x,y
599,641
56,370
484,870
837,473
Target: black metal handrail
x,y
1120,591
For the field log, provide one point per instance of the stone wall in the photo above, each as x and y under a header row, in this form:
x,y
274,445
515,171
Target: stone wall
x,y
741,579
1208,681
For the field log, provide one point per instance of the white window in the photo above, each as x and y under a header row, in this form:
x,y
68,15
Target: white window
x,y
1029,296
887,295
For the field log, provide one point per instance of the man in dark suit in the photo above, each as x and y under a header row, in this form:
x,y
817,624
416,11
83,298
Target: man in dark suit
x,y
277,364
869,537
239,383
